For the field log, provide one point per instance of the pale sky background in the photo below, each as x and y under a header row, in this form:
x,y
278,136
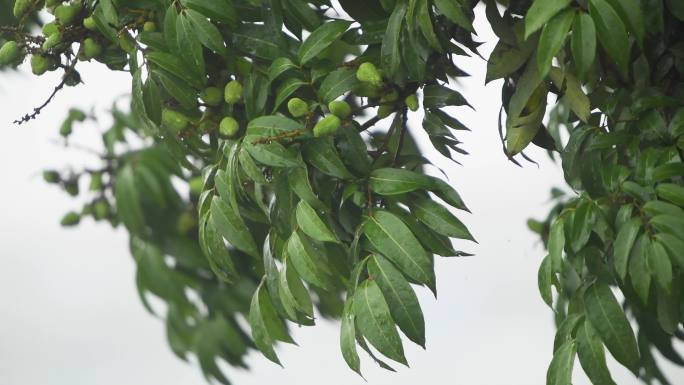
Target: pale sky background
x,y
70,315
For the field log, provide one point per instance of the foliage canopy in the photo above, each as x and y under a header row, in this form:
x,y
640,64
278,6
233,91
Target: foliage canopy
x,y
300,202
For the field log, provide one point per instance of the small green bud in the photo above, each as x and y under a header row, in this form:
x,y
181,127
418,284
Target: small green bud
x,y
70,219
196,184
233,92
385,110
174,120
39,64
50,28
297,107
52,41
51,176
21,7
101,209
228,127
412,102
212,96
89,23
65,14
340,108
91,48
368,73
149,26
327,126
9,52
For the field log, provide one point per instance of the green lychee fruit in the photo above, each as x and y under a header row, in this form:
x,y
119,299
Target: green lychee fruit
x,y
196,184
9,52
385,110
412,102
89,23
101,209
340,108
91,48
21,7
50,28
228,127
65,14
39,64
327,126
149,26
297,107
233,92
368,73
52,41
212,96
174,120
70,219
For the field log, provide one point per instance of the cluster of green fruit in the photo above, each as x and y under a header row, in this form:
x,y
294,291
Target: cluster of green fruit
x,y
371,86
212,97
99,208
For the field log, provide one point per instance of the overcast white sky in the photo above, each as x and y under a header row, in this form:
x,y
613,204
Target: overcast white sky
x,y
70,315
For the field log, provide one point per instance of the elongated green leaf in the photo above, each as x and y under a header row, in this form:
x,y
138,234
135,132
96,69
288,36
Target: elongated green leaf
x,y
321,38
611,32
582,224
279,66
438,218
375,322
307,261
671,224
591,355
298,178
216,252
639,272
674,246
321,153
622,247
312,225
660,265
393,181
402,301
390,54
231,226
293,294
631,14
394,240
348,337
545,281
560,369
671,192
454,11
206,32
336,84
540,12
189,43
552,39
583,43
218,10
606,316
556,244
286,89
265,323
437,96
131,212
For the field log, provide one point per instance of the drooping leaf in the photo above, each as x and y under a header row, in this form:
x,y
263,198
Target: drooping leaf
x,y
321,38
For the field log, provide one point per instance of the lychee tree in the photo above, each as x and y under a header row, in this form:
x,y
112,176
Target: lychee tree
x,y
288,122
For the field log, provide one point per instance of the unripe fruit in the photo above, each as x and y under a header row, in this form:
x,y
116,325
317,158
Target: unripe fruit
x,y
297,107
233,92
327,126
8,52
51,176
91,48
65,14
228,127
21,7
368,73
196,184
174,120
96,182
412,102
101,210
89,23
212,96
185,223
72,78
340,108
149,26
50,28
39,64
385,110
52,41
70,219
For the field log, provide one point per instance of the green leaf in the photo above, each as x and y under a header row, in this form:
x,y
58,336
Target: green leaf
x,y
402,301
231,226
560,369
556,243
439,219
271,154
592,356
286,89
375,322
336,84
529,95
606,316
506,59
630,13
611,32
279,66
312,225
540,12
348,337
266,326
390,54
391,237
257,40
436,96
582,224
308,260
303,13
206,32
670,224
639,274
448,194
674,246
454,11
660,266
583,43
622,246
293,294
217,10
175,66
394,181
552,40
321,38
425,24
671,192
128,203
298,178
322,154
545,281
676,7
216,252
189,44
